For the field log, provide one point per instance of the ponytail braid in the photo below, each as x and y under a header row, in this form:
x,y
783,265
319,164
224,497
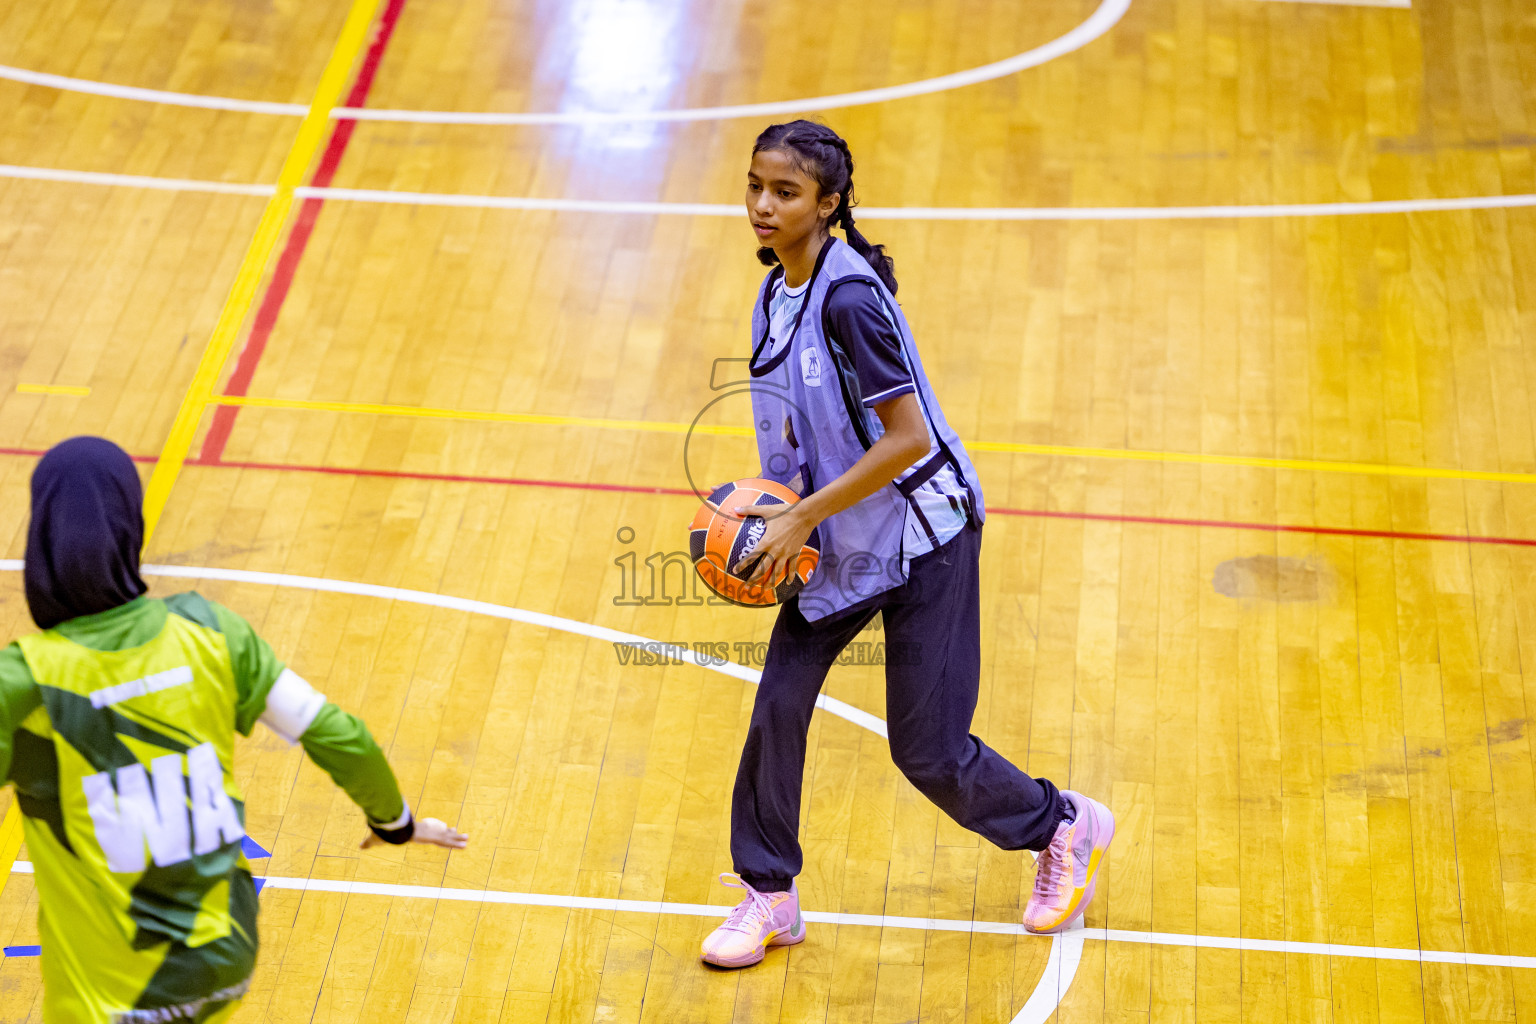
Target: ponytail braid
x,y
825,156
883,266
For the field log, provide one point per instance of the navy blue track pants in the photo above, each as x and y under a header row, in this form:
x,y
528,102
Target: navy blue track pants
x,y
933,670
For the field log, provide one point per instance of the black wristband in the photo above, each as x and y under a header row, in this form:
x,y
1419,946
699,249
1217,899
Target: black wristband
x,y
395,836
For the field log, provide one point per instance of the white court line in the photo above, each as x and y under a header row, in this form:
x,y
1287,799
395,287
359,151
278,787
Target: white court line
x,y
1066,949
987,213
1108,13
131,92
131,180
831,705
1066,952
932,924
646,208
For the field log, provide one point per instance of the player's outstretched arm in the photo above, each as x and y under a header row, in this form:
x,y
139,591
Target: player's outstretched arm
x,y
338,742
342,745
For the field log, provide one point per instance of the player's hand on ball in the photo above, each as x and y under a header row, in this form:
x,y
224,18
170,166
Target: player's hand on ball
x,y
786,533
430,831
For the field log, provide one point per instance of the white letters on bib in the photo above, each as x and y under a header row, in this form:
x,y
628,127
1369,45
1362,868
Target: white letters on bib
x,y
136,813
213,813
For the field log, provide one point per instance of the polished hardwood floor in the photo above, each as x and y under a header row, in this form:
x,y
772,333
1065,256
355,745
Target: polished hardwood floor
x,y
1260,571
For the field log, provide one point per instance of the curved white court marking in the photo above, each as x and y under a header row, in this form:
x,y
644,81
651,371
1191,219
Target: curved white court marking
x,y
848,712
1060,968
133,92
959,213
1108,13
1100,21
1053,983
132,181
1066,950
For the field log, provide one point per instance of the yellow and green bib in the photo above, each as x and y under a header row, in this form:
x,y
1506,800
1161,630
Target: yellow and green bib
x,y
134,822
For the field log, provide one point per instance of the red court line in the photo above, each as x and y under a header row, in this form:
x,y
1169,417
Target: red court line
x,y
1229,524
1027,513
1226,524
298,240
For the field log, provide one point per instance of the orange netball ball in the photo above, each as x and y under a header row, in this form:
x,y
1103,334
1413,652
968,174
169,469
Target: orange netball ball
x,y
717,540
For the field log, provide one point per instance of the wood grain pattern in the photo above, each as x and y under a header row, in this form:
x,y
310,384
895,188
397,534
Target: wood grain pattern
x,y
1352,766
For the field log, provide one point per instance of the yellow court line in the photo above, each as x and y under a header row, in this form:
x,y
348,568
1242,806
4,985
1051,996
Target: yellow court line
x,y
1004,447
10,841
474,416
354,34
1252,461
76,390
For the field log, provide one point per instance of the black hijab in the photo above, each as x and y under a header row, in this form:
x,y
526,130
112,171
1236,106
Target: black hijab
x,y
86,530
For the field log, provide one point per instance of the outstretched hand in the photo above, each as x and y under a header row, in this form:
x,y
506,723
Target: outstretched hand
x,y
430,831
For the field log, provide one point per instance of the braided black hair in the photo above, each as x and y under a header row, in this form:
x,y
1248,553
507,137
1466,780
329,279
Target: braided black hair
x,y
824,155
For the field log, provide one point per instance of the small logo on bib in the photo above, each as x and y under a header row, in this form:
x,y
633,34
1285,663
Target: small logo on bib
x,y
810,367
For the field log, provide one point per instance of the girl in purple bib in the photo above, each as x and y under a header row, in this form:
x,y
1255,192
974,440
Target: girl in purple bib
x,y
845,415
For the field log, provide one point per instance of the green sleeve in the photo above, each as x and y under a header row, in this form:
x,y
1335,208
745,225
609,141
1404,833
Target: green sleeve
x,y
342,745
256,667
19,697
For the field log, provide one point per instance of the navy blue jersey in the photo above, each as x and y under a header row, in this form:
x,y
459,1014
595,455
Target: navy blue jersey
x,y
862,327
860,324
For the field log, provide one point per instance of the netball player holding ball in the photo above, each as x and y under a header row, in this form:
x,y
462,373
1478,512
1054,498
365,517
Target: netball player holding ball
x,y
845,416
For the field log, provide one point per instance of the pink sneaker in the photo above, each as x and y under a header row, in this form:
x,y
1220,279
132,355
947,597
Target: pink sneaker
x,y
1066,871
761,920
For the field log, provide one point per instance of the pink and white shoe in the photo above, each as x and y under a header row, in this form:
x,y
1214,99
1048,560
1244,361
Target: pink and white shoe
x,y
760,920
1066,871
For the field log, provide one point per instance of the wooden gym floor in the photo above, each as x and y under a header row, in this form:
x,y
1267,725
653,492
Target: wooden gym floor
x,y
1261,566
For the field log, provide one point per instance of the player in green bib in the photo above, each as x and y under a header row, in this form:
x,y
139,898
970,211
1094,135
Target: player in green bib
x,y
117,727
